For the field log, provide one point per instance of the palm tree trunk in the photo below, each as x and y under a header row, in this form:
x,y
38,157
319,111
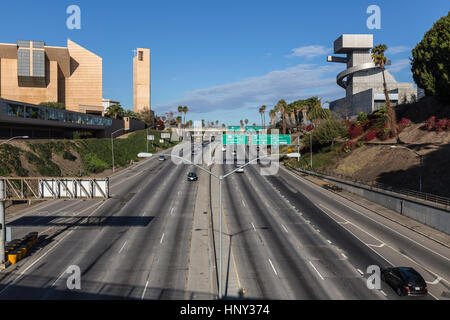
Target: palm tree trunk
x,y
390,110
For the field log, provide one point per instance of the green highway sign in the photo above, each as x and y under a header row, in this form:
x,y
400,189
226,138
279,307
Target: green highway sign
x,y
271,139
253,128
234,128
234,139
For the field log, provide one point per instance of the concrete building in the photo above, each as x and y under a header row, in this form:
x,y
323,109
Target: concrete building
x,y
363,80
108,103
141,80
31,72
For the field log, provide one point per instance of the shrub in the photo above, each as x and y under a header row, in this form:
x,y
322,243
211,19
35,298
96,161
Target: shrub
x,y
355,131
402,124
430,124
348,146
442,125
93,164
362,117
371,136
69,156
309,128
359,144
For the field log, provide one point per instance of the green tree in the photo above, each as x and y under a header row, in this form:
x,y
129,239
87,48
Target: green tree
x,y
115,111
431,60
380,59
132,115
185,110
282,108
54,105
316,112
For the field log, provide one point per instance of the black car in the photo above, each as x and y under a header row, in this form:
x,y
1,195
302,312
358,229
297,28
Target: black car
x,y
405,281
192,176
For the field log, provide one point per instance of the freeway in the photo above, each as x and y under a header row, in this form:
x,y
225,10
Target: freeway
x,y
286,238
294,240
134,245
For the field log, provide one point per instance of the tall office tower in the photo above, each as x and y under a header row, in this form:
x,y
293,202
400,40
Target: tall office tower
x,y
141,80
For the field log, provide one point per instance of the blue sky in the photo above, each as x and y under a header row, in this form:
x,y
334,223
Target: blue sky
x,y
223,59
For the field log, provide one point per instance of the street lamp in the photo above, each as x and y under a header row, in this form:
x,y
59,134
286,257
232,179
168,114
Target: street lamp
x,y
420,159
221,178
112,148
18,137
2,213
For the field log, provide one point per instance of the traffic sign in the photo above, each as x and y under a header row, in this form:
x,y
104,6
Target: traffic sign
x,y
253,128
150,138
271,139
165,135
234,139
234,128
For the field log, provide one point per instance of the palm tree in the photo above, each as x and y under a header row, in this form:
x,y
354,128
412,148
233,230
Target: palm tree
x,y
272,114
263,110
180,109
185,110
115,111
246,121
179,119
242,123
282,108
217,123
260,110
380,60
203,123
316,112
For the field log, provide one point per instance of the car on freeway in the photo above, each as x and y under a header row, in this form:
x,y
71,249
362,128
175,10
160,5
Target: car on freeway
x,y
192,176
239,169
224,149
162,158
405,281
234,153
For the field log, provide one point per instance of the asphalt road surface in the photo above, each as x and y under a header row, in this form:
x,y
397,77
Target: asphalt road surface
x,y
290,239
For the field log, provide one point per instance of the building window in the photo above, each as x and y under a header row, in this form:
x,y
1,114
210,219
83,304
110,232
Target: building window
x,y
14,110
141,56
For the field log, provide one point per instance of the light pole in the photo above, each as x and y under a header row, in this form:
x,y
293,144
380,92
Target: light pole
x,y
2,212
112,148
420,159
220,178
310,144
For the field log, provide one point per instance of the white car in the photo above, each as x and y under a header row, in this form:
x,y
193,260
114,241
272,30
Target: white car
x,y
239,169
224,149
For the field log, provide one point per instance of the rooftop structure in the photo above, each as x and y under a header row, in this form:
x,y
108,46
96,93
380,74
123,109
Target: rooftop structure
x,y
363,80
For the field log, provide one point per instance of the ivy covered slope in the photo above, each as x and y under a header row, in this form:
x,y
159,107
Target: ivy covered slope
x,y
56,158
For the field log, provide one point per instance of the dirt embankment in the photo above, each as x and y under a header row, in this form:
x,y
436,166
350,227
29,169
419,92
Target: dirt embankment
x,y
377,161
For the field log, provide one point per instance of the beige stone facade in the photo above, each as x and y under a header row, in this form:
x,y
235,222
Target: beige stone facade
x,y
73,76
141,80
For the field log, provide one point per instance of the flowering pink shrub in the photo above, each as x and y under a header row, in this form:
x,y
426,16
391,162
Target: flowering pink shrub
x,y
437,124
355,131
348,146
402,124
309,128
430,124
371,136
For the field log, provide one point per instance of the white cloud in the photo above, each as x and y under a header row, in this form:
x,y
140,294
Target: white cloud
x,y
295,82
397,49
399,65
310,51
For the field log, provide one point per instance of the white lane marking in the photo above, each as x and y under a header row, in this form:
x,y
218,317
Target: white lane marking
x,y
143,214
273,267
58,278
329,241
381,224
243,203
383,293
171,211
45,254
123,246
345,257
285,228
436,281
318,230
145,289
253,227
316,270
362,273
375,246
162,238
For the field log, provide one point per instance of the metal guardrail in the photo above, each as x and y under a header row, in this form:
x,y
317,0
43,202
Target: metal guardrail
x,y
416,195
